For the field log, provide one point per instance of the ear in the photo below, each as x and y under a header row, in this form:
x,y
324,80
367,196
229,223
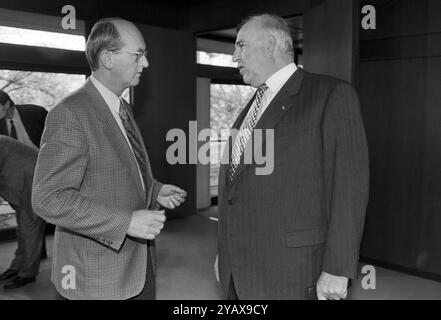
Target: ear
x,y
106,59
270,44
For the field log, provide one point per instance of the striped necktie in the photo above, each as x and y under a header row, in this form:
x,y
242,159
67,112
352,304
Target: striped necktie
x,y
135,141
246,131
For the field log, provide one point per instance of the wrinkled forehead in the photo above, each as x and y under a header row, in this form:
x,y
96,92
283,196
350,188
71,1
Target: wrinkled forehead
x,y
249,32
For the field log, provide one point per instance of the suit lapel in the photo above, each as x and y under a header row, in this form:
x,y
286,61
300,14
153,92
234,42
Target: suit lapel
x,y
280,104
113,132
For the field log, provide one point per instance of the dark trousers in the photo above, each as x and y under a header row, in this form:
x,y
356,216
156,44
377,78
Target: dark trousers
x,y
30,233
149,290
232,294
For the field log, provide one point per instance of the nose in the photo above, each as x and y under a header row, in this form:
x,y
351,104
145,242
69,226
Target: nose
x,y
236,56
144,62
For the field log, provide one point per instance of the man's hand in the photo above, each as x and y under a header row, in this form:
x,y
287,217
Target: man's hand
x,y
171,196
216,268
146,224
330,287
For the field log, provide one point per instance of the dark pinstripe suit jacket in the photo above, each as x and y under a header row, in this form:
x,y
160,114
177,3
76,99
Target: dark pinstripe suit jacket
x,y
278,232
87,184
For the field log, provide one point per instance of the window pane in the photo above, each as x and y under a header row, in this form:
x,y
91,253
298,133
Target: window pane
x,y
7,216
227,101
215,59
42,38
40,88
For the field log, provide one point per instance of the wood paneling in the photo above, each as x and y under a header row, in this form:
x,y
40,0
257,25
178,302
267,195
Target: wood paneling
x,y
400,91
329,41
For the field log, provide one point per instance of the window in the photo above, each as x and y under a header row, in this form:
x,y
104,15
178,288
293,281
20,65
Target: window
x,y
7,216
42,38
40,88
215,59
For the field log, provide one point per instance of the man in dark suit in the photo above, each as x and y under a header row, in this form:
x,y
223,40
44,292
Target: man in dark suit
x,y
17,164
93,178
24,123
293,233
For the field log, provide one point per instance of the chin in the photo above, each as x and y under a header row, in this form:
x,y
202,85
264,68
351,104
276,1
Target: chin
x,y
246,80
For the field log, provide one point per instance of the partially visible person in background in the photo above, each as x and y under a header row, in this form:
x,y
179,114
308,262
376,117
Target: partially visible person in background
x,y
17,165
22,122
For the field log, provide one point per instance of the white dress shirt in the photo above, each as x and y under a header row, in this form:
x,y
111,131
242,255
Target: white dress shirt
x,y
113,102
275,83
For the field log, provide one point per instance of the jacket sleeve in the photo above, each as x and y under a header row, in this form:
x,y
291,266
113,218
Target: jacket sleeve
x,y
346,172
61,166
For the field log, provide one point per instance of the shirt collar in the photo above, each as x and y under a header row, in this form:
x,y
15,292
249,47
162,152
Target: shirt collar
x,y
278,79
111,99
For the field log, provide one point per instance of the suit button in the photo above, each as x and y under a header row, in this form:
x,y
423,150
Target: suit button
x,y
231,202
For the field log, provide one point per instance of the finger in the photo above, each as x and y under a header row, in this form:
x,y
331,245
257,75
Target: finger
x,y
174,189
342,295
170,204
159,216
156,225
321,297
178,190
180,199
153,232
150,237
175,201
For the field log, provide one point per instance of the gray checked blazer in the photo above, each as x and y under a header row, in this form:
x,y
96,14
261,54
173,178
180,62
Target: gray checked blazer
x,y
87,184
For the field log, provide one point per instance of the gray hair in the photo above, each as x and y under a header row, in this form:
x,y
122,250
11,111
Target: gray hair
x,y
103,36
277,27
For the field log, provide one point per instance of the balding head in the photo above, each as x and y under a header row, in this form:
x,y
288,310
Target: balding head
x,y
275,26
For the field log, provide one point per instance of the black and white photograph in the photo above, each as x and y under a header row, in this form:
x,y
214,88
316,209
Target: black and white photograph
x,y
212,151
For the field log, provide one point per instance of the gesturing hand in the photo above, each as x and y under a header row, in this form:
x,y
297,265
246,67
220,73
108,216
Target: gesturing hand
x,y
216,268
330,287
146,224
171,196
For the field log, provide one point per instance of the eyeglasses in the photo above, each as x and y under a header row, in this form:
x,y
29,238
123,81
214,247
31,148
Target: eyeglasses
x,y
138,54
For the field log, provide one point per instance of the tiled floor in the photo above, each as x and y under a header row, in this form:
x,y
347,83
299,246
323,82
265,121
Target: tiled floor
x,y
186,253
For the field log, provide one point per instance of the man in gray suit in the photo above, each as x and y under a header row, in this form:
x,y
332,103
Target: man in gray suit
x,y
93,178
294,233
17,164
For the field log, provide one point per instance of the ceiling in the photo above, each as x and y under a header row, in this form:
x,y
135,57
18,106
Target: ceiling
x,y
229,35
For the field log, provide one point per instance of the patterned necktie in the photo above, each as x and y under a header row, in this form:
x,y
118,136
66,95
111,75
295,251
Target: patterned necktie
x,y
246,131
13,133
135,142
